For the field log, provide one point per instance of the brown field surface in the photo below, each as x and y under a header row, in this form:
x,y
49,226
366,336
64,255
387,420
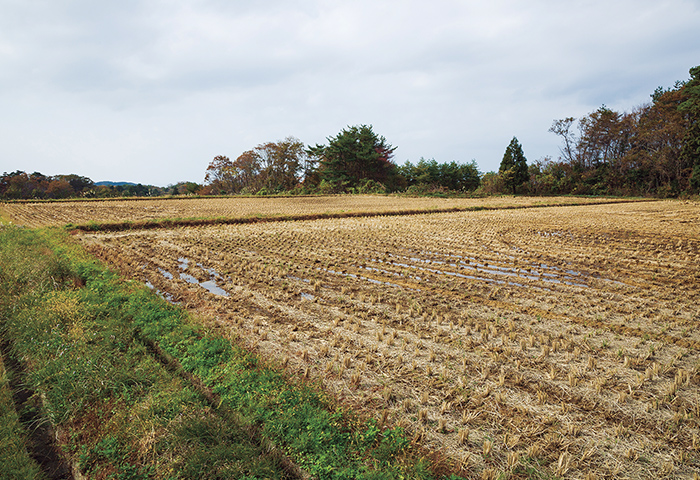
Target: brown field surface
x,y
39,214
563,340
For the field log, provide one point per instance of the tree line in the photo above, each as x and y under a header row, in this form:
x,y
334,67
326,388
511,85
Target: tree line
x,y
652,150
21,185
357,160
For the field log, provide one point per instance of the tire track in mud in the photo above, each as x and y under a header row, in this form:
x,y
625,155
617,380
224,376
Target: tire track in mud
x,y
619,329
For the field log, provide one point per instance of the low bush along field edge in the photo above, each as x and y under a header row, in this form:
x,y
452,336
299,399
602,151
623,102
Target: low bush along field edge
x,y
103,356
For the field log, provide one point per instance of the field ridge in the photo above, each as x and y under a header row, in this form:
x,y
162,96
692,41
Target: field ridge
x,y
126,213
194,222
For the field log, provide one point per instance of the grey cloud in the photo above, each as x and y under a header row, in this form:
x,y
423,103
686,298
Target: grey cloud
x,y
160,88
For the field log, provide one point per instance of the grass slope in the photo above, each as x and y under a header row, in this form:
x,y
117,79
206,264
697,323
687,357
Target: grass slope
x,y
15,461
117,412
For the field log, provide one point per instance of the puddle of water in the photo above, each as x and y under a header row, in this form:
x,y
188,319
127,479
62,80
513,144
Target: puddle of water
x,y
209,285
461,275
385,272
188,278
165,273
371,280
473,261
213,288
490,269
165,296
292,277
212,273
307,296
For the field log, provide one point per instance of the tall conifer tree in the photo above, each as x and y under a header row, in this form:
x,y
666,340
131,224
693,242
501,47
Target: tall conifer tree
x,y
513,169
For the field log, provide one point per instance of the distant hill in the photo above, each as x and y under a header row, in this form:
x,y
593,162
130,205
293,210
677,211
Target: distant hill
x,y
113,184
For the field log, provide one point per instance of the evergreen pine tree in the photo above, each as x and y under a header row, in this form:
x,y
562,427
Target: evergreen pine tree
x,y
513,169
355,155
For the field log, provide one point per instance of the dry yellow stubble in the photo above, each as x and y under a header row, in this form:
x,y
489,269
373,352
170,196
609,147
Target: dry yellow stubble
x,y
561,327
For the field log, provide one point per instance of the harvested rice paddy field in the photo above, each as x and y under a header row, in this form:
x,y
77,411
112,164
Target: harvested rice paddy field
x,y
561,341
39,214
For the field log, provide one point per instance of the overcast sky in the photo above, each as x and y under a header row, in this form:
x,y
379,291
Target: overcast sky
x,y
151,91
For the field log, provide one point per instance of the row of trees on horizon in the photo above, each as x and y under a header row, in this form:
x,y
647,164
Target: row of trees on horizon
x,y
357,160
652,150
20,185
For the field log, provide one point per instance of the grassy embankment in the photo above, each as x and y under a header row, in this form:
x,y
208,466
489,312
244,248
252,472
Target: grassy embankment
x,y
135,388
15,461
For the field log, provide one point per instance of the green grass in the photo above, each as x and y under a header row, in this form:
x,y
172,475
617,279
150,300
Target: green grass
x,y
119,412
15,462
114,364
